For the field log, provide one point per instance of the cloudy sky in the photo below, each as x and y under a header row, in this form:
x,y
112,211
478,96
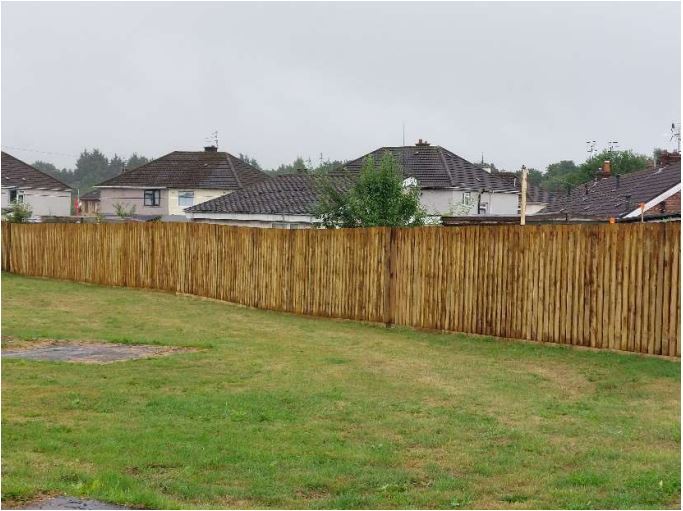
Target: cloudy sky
x,y
523,83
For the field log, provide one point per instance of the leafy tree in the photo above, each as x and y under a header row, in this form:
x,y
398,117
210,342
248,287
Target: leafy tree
x,y
558,175
307,165
17,213
297,165
622,162
377,198
566,173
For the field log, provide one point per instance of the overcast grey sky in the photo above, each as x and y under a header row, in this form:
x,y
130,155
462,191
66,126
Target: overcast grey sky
x,y
524,83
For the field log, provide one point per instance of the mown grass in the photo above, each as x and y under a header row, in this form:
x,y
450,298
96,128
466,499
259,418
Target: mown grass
x,y
283,411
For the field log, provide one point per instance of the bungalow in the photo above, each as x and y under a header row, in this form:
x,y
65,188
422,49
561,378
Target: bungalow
x,y
654,193
166,186
286,201
44,194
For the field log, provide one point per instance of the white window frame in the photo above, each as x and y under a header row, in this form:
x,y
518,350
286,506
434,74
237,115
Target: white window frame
x,y
185,194
467,198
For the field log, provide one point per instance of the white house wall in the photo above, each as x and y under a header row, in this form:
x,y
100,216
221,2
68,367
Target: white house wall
x,y
5,197
448,202
43,202
129,197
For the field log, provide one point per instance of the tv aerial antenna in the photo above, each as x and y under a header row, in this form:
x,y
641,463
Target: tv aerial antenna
x,y
591,148
213,138
612,145
676,135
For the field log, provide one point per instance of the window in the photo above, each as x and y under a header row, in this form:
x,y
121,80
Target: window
x,y
16,196
466,197
483,208
185,199
152,198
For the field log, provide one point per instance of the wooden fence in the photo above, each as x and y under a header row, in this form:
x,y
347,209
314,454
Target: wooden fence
x,y
604,286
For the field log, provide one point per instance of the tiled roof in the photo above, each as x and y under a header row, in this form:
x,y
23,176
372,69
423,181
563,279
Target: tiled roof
x,y
617,195
17,174
191,169
288,194
435,167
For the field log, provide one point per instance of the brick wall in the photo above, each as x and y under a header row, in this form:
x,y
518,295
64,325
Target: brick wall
x,y
670,205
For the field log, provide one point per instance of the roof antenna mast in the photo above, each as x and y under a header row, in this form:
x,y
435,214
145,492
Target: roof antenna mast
x,y
213,139
676,135
591,148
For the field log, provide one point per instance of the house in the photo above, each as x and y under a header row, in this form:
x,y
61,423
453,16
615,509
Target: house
x,y
448,183
90,202
620,197
285,201
46,195
166,186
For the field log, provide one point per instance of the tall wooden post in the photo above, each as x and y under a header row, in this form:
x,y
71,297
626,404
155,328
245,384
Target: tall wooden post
x,y
522,208
389,275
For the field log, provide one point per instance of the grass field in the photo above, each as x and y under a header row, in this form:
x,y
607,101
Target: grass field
x,y
275,410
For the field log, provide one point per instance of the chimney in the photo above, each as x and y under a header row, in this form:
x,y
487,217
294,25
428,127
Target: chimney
x,y
210,148
421,142
606,168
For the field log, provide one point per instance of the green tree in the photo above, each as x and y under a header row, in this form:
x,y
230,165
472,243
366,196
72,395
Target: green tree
x,y
92,168
377,198
558,175
297,165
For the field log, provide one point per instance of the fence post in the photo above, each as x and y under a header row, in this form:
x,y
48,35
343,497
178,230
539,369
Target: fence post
x,y
389,275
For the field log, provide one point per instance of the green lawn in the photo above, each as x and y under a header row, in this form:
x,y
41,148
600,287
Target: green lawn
x,y
281,411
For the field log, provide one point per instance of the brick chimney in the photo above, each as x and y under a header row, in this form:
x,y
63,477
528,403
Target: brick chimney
x,y
421,142
605,170
210,148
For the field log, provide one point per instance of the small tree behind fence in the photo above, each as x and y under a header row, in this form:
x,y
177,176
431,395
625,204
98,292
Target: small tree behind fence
x,y
603,286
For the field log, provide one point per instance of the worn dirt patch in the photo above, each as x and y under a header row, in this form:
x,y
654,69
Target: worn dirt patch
x,y
84,352
69,503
